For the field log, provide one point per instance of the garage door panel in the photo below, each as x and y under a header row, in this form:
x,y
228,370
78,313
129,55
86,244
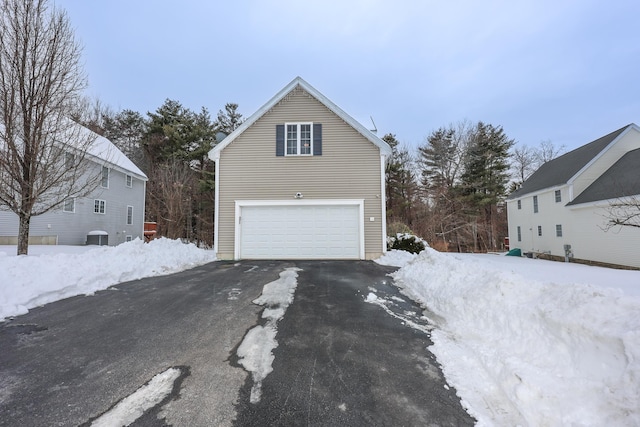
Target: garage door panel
x,y
300,231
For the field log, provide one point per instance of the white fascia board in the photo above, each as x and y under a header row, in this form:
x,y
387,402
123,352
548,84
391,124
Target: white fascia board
x,y
298,81
537,193
383,201
605,203
216,203
601,153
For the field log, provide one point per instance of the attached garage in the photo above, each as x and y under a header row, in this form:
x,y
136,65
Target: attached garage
x,y
299,229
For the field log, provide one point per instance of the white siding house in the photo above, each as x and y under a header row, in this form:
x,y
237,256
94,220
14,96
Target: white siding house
x,y
567,202
114,209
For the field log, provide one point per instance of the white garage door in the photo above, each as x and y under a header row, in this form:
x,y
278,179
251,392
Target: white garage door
x,y
300,232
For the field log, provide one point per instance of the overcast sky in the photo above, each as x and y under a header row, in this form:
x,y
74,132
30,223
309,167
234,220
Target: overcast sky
x,y
561,70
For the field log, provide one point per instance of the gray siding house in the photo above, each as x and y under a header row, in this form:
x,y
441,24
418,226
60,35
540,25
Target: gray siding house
x,y
113,212
568,201
300,179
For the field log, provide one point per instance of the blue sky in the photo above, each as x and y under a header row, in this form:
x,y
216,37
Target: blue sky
x,y
565,71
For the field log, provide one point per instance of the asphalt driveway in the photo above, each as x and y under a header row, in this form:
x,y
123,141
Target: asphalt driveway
x,y
340,360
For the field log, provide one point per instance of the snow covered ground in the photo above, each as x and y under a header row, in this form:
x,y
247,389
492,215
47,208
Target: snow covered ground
x,y
51,273
531,342
524,342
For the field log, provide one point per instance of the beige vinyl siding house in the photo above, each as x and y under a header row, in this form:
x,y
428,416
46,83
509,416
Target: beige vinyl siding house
x,y
574,193
327,202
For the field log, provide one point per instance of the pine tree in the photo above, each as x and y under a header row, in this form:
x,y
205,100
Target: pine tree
x,y
484,181
401,186
229,119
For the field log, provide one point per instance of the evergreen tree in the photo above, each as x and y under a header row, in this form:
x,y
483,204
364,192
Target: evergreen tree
x,y
484,181
229,119
401,187
442,162
126,129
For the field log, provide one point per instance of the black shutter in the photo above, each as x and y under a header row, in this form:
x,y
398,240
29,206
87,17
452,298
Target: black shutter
x,y
317,139
279,140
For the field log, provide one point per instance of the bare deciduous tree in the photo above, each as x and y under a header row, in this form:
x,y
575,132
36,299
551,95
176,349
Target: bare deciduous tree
x,y
547,151
42,151
174,181
523,163
624,212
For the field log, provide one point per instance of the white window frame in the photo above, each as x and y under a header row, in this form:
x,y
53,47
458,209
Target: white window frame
x,y
99,206
519,231
519,204
298,145
539,231
535,204
129,215
73,205
103,178
128,238
558,230
129,181
558,196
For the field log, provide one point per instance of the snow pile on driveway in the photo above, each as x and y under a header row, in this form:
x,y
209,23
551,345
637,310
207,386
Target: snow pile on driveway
x,y
255,353
30,281
525,343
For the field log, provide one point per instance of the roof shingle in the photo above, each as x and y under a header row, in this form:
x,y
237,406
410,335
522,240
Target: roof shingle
x,y
560,170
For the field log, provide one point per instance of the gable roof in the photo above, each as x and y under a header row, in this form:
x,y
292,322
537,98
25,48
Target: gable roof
x,y
298,81
105,150
620,180
562,169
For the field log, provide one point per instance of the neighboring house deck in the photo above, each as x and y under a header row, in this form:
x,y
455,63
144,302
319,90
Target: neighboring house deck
x,y
115,209
567,201
300,179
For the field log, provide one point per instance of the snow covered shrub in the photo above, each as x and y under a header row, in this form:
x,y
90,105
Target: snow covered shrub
x,y
406,242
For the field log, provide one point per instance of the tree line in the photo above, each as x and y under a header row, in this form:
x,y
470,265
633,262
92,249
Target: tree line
x,y
451,191
171,145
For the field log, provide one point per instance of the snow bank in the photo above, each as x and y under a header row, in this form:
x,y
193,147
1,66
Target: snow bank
x,y
31,281
521,351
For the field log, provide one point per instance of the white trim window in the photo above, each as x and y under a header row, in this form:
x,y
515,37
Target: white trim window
x,y
558,230
129,181
104,182
298,139
128,238
535,204
69,205
519,204
99,206
558,196
539,231
129,215
519,234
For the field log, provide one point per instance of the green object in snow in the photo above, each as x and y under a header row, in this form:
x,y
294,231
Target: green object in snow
x,y
514,252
